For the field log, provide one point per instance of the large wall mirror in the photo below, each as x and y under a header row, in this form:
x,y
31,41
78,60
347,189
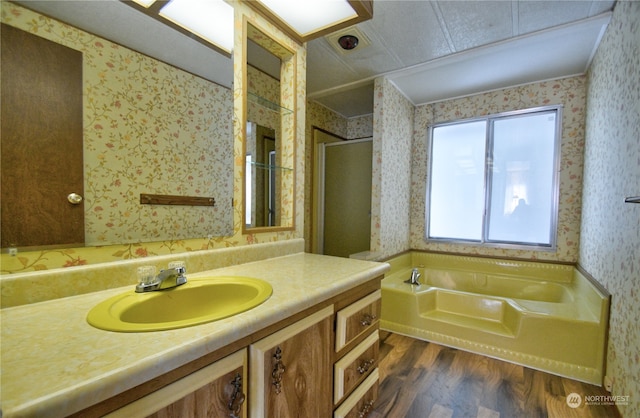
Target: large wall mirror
x,y
145,127
268,133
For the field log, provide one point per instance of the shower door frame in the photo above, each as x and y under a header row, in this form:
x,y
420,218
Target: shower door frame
x,y
319,239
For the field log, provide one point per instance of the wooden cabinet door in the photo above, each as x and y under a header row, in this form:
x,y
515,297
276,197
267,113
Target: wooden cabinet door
x,y
216,391
222,397
291,370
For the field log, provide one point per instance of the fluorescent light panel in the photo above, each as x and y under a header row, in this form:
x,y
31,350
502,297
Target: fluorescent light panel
x,y
212,20
308,16
145,3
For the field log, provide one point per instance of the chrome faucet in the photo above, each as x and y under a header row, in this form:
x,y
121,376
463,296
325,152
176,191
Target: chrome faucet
x,y
415,277
167,279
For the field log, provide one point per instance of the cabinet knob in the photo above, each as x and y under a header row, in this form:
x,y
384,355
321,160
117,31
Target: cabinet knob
x,y
365,409
278,371
367,319
365,365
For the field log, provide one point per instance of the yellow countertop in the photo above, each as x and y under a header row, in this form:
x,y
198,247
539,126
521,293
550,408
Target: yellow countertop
x,y
54,363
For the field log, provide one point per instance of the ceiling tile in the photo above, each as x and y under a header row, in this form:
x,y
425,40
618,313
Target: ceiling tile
x,y
375,56
411,43
338,69
474,23
537,15
540,56
325,69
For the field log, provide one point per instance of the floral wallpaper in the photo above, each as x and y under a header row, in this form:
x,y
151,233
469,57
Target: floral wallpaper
x,y
569,92
148,128
360,127
400,174
164,133
321,117
392,138
152,128
610,245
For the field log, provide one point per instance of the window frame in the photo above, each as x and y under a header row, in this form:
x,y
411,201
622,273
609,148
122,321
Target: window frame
x,y
489,141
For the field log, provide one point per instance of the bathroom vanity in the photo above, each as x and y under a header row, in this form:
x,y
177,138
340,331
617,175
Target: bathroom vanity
x,y
312,347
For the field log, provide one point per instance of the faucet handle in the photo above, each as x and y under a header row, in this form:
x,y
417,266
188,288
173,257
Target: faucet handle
x,y
146,274
177,265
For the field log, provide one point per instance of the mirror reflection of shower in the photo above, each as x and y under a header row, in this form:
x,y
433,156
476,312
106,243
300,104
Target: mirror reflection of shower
x,y
261,181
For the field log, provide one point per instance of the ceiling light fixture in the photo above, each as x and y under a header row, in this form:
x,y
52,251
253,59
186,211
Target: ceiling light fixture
x,y
304,20
208,21
212,20
145,3
311,15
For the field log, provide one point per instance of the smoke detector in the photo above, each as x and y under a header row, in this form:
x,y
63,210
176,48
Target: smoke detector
x,y
348,40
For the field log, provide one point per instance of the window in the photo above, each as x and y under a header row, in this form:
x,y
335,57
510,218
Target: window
x,y
494,180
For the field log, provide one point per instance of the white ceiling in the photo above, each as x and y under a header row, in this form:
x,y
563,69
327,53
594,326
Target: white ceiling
x,y
431,50
435,50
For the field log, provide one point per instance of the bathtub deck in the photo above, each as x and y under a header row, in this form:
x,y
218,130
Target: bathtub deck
x,y
421,379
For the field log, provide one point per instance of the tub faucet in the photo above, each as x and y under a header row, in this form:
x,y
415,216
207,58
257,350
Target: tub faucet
x,y
415,277
168,278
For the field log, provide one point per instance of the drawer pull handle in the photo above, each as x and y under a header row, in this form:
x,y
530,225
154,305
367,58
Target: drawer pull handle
x,y
367,319
365,365
278,371
237,398
365,409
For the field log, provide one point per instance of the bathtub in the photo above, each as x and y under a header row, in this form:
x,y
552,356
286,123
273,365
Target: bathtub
x,y
545,316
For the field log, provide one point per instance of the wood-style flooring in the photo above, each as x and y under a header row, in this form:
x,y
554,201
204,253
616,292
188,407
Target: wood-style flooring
x,y
419,379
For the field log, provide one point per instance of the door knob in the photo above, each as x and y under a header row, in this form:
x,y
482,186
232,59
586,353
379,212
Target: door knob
x,y
74,198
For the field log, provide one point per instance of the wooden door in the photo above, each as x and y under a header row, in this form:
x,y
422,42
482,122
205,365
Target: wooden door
x,y
41,139
291,370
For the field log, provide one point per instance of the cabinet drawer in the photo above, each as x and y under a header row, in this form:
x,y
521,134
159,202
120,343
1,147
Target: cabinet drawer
x,y
361,401
354,367
357,318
